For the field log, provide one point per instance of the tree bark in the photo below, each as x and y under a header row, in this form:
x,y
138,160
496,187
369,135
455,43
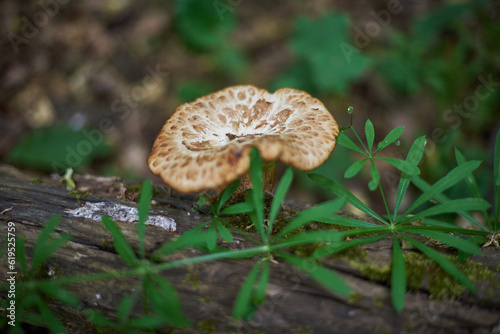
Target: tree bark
x,y
295,303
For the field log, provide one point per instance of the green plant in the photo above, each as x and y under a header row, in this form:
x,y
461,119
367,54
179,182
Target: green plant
x,y
325,61
403,227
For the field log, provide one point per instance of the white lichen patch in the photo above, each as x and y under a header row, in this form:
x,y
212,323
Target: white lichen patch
x,y
120,212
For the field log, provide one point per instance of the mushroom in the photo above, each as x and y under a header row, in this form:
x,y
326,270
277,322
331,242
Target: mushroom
x,y
206,143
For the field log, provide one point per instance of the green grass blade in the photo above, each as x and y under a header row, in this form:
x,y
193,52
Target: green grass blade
x,y
279,196
238,208
164,299
370,134
414,156
257,192
391,137
443,262
226,194
450,179
326,277
243,307
192,237
344,221
99,319
402,165
343,245
125,307
122,246
398,276
461,244
339,190
345,141
463,204
224,232
374,176
424,186
143,206
496,184
308,215
355,168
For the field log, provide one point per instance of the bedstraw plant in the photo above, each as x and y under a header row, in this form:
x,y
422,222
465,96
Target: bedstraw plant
x,y
270,245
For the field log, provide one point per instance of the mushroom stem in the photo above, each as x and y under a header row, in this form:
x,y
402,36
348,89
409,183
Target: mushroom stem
x,y
268,179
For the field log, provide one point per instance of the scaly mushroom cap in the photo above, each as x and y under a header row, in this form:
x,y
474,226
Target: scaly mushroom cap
x,y
206,143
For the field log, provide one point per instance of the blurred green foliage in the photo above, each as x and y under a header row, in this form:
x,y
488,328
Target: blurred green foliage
x,y
59,147
325,61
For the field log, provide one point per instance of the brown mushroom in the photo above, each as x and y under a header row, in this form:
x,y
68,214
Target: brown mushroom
x,y
206,144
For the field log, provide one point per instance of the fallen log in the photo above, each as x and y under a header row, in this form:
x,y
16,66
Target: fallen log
x,y
294,302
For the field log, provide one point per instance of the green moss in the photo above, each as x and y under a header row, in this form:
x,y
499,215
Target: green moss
x,y
355,297
36,180
193,279
205,300
305,330
438,282
80,194
207,326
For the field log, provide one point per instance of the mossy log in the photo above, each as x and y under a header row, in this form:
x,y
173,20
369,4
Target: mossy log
x,y
295,303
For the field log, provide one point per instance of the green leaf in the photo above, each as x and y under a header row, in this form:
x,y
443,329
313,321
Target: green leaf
x,y
452,178
370,134
461,244
343,245
328,278
244,308
60,146
57,292
211,237
311,214
425,187
470,179
125,307
354,169
339,190
344,221
414,156
226,194
192,237
164,300
260,291
144,206
238,208
374,176
21,254
443,262
99,319
224,232
398,276
390,138
279,196
122,246
402,165
450,206
307,238
50,318
496,181
332,61
345,141
204,25
45,246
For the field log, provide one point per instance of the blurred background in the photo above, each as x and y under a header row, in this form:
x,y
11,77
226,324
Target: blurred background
x,y
89,84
